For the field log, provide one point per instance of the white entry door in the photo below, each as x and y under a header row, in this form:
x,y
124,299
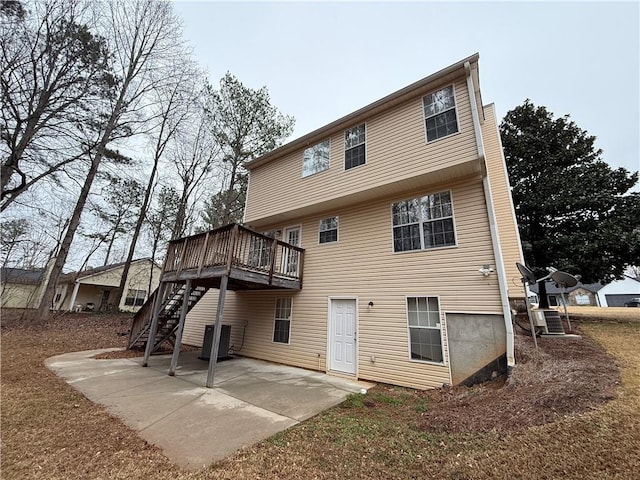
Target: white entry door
x,y
342,336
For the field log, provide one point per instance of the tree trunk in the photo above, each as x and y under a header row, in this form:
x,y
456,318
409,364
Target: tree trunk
x,y
136,234
47,298
178,227
229,196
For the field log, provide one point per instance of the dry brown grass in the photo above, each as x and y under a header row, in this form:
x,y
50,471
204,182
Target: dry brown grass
x,y
49,431
616,314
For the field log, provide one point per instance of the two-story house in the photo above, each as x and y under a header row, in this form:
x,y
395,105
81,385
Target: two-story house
x,y
404,213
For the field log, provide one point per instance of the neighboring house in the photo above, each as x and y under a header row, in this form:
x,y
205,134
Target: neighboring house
x,y
21,288
94,289
618,292
580,295
404,212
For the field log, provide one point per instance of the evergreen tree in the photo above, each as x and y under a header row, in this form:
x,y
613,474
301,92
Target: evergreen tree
x,y
574,211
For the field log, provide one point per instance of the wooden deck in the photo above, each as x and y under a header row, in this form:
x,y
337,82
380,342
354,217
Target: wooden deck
x,y
250,260
230,258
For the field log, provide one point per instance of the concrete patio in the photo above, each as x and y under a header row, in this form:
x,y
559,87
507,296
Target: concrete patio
x,y
193,425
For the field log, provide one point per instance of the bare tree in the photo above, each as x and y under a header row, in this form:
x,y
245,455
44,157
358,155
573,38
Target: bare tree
x,y
174,95
144,36
160,220
54,77
120,199
195,158
14,234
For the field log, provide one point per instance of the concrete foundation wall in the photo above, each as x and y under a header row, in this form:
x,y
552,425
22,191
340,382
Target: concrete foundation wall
x,y
475,341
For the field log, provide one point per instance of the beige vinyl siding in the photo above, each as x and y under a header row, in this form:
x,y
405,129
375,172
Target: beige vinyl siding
x,y
396,149
362,265
20,295
92,286
503,203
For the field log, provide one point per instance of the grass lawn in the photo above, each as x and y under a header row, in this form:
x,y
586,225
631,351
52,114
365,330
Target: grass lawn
x,y
494,431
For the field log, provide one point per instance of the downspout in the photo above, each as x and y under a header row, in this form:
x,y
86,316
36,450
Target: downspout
x,y
495,238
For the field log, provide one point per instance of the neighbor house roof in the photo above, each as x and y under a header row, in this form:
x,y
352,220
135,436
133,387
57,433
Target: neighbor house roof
x,y
358,116
28,276
552,288
73,276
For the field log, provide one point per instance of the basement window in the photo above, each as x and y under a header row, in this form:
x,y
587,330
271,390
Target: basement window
x,y
425,329
282,324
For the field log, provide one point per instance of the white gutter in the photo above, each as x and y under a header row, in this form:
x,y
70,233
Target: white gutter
x,y
495,238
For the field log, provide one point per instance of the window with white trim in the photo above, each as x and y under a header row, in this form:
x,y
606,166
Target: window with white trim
x,y
282,325
354,147
328,231
440,113
423,223
315,159
425,329
135,298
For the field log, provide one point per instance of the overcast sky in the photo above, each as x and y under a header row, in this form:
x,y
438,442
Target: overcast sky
x,y
323,60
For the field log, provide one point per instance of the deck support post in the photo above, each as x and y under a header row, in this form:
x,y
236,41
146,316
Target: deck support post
x,y
153,329
183,315
215,345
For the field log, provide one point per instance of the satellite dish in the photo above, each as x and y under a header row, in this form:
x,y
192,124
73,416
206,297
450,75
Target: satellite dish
x,y
564,279
526,273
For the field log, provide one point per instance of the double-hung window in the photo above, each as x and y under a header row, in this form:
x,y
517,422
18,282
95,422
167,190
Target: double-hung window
x,y
354,147
440,113
315,159
328,231
282,325
425,329
423,223
135,298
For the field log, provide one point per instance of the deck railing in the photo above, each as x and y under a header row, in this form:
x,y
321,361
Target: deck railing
x,y
234,246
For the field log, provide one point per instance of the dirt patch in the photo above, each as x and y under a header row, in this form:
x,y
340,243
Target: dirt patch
x,y
563,377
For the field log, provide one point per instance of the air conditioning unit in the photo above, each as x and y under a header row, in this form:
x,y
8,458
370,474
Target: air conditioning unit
x,y
225,341
549,320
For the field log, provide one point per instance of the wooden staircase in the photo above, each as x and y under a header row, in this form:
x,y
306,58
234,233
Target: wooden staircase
x,y
231,257
168,317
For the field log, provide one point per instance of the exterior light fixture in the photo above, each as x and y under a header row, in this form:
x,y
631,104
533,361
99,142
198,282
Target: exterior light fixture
x,y
486,270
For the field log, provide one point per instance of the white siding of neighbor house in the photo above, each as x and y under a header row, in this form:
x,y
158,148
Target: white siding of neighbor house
x,y
624,286
362,265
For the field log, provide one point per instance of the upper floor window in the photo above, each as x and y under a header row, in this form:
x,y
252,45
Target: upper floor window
x,y
328,230
440,113
354,147
423,223
315,159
